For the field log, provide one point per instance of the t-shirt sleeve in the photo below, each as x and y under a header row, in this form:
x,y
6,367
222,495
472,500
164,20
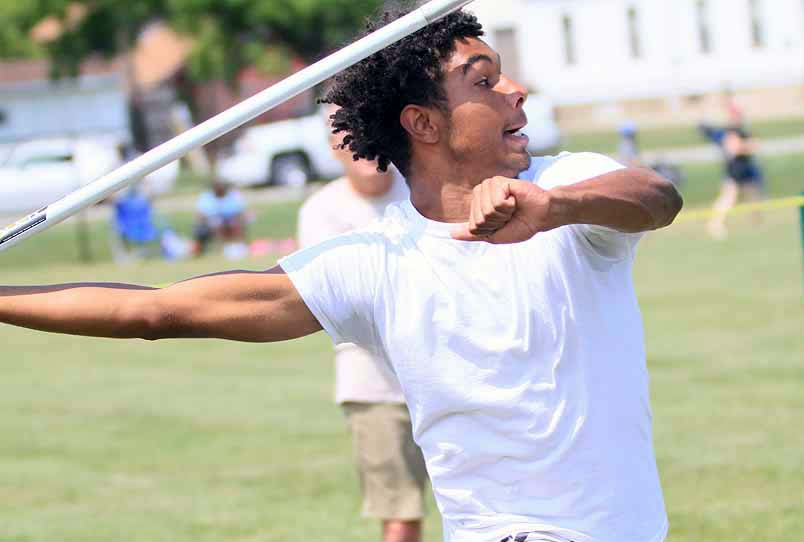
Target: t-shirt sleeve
x,y
571,168
337,279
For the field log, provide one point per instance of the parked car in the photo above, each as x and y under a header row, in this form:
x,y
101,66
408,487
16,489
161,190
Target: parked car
x,y
289,152
36,173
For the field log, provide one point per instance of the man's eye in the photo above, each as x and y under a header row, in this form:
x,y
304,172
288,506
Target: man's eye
x,y
484,82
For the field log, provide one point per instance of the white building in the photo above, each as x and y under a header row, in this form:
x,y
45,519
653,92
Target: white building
x,y
32,106
608,58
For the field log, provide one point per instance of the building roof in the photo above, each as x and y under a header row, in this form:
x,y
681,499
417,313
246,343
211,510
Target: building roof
x,y
159,54
37,70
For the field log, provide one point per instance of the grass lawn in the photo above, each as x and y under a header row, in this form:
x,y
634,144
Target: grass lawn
x,y
208,441
678,136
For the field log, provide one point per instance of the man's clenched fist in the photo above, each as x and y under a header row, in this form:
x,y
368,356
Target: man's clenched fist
x,y
506,211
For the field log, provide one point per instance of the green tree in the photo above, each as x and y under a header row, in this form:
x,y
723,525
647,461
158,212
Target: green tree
x,y
15,19
228,34
89,27
234,33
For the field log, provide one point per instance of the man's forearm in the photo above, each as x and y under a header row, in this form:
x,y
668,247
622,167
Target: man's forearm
x,y
627,200
236,305
91,309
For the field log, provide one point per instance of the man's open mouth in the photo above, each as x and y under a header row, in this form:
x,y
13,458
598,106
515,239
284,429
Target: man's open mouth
x,y
516,135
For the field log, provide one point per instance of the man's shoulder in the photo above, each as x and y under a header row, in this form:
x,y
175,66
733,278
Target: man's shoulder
x,y
568,168
322,199
390,228
205,196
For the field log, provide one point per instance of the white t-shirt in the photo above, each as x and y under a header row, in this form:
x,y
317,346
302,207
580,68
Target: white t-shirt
x,y
523,365
335,209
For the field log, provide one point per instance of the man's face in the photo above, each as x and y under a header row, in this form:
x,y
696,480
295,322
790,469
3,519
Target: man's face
x,y
485,112
220,189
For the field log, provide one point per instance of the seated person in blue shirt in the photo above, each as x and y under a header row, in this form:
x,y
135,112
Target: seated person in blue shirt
x,y
221,213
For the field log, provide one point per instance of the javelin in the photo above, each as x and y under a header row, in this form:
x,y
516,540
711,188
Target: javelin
x,y
226,121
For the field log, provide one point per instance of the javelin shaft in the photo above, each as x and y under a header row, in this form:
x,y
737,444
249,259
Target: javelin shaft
x,y
226,121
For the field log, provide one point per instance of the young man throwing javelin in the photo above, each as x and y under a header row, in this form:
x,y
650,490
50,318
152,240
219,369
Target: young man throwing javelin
x,y
500,294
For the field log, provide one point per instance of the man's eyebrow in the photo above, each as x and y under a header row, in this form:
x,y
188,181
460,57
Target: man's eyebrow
x,y
474,59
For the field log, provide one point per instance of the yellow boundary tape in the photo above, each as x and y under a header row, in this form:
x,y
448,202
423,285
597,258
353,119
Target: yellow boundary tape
x,y
780,203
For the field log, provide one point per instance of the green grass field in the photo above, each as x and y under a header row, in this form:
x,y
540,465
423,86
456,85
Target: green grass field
x,y
668,137
208,441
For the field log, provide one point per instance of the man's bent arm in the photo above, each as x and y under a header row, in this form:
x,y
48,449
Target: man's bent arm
x,y
237,305
627,200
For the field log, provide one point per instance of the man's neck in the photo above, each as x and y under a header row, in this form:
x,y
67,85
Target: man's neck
x,y
443,194
442,202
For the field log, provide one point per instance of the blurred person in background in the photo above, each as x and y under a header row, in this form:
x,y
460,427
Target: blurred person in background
x,y
389,463
220,215
628,148
136,234
629,154
743,178
734,111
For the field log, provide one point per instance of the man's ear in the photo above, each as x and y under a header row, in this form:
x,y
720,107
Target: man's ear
x,y
421,123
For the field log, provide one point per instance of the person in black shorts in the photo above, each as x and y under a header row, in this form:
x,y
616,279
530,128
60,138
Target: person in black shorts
x,y
743,177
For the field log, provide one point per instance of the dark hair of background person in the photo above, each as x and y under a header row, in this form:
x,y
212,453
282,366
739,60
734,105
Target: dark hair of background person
x,y
372,93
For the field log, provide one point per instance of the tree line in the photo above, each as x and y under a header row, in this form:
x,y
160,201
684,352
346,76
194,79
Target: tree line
x,y
227,34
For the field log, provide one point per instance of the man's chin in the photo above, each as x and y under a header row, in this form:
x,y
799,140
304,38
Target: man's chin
x,y
518,164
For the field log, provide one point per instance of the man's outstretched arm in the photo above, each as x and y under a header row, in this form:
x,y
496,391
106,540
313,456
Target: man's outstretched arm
x,y
236,305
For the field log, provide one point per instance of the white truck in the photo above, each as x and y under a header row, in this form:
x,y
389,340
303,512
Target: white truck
x,y
36,173
295,151
288,152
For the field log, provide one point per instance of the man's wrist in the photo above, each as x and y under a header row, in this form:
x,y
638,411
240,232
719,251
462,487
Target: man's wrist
x,y
562,207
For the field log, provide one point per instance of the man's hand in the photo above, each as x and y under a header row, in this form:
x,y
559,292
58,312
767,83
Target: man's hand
x,y
506,211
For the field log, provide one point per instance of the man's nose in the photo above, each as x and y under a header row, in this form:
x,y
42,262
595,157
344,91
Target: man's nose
x,y
515,93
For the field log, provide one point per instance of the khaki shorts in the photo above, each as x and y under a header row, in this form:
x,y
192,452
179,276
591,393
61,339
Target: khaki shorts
x,y
390,464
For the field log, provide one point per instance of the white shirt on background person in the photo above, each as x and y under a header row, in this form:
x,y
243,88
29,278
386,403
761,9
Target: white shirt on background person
x,y
336,209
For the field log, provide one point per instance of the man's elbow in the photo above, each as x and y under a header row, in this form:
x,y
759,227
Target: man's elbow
x,y
154,328
672,203
666,201
146,318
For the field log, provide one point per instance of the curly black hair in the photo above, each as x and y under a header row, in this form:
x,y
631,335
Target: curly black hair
x,y
372,93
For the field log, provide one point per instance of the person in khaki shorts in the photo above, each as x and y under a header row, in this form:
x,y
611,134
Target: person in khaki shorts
x,y
390,465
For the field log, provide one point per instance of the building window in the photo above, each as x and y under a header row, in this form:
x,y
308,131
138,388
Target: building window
x,y
757,26
568,32
704,27
505,40
634,43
